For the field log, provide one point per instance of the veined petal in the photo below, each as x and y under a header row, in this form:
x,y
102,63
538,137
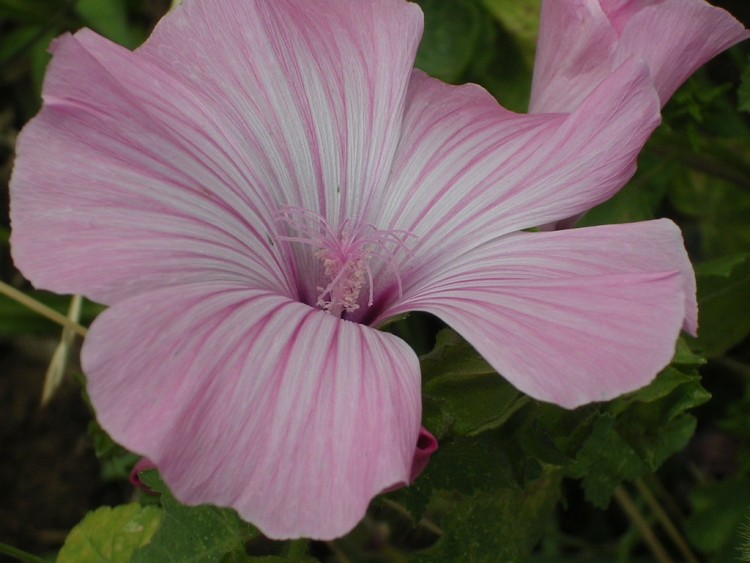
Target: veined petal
x,y
688,34
574,54
246,399
320,84
468,170
570,316
107,200
169,164
583,41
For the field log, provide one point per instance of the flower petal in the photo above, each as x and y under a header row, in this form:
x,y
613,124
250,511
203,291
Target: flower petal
x,y
320,83
582,41
569,316
689,33
168,165
469,170
109,197
246,399
574,54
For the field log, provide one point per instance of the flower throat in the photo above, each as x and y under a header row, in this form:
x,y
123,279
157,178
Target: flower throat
x,y
346,254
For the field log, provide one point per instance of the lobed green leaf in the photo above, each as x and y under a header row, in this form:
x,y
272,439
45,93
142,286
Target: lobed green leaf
x,y
111,535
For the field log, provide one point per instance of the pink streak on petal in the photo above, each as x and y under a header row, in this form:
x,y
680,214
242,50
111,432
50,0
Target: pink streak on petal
x,y
583,41
470,171
249,400
620,12
325,80
111,196
167,165
574,54
675,38
569,316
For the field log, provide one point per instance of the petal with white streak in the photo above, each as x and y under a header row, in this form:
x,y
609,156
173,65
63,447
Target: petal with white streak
x,y
571,316
582,41
168,164
246,399
469,170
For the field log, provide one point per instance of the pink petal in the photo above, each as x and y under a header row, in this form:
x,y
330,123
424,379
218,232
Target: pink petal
x,y
320,83
573,55
570,316
168,165
108,198
689,33
582,41
427,445
246,399
469,170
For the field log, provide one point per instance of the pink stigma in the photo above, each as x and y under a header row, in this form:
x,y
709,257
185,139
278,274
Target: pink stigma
x,y
346,254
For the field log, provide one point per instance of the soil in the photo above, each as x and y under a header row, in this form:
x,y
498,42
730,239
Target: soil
x,y
50,472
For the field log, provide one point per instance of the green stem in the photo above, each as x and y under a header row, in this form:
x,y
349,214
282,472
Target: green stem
x,y
637,519
737,367
41,308
425,523
19,554
665,521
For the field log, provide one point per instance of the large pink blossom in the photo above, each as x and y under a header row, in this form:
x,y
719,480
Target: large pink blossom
x,y
264,182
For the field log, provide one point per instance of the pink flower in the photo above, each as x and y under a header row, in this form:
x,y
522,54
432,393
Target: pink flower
x,y
582,42
264,182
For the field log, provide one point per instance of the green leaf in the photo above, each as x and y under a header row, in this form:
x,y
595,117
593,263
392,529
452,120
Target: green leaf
x,y
200,534
463,393
723,293
450,37
639,431
453,355
111,534
498,65
685,358
719,510
664,384
11,44
521,19
635,202
466,466
721,267
709,188
475,403
604,461
502,525
109,18
656,425
566,429
116,462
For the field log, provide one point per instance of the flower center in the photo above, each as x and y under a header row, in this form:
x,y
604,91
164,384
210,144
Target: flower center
x,y
346,254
